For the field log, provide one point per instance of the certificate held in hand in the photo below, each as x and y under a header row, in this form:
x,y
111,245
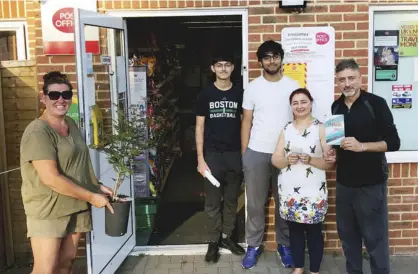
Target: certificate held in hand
x,y
335,129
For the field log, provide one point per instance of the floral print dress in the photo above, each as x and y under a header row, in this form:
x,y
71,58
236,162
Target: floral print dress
x,y
302,188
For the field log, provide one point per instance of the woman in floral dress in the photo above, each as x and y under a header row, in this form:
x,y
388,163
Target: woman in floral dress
x,y
302,181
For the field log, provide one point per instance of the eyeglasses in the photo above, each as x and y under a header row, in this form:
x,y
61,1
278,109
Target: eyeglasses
x,y
221,65
55,95
274,57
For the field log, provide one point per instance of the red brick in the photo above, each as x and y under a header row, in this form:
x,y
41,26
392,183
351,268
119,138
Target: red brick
x,y
409,216
356,17
254,73
394,199
400,225
362,44
63,59
355,53
394,182
332,236
395,242
361,7
413,170
278,28
362,26
261,28
394,233
254,19
48,68
356,35
342,8
409,233
401,190
394,216
275,19
410,198
405,170
302,18
317,9
343,26
254,38
330,243
198,4
410,182
70,68
275,37
329,18
397,170
399,207
261,10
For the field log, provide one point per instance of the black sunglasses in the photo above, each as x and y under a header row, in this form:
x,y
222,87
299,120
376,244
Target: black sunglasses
x,y
55,95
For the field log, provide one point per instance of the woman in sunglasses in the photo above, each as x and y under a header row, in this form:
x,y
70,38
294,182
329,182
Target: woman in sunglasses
x,y
58,182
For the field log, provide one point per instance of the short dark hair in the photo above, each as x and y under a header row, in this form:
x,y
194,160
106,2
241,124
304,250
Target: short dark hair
x,y
222,56
301,91
347,64
269,46
55,77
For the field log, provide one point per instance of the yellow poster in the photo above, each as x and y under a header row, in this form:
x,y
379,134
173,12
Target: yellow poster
x,y
298,72
408,42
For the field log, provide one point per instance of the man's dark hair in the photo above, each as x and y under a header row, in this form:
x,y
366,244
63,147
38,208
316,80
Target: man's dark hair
x,y
269,46
222,56
346,64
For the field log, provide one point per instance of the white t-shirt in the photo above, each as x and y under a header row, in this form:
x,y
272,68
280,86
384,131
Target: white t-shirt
x,y
271,110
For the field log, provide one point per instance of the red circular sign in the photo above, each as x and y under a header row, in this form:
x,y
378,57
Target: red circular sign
x,y
63,20
322,38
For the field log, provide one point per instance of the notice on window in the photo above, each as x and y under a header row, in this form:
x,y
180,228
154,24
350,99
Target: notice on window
x,y
386,47
401,96
298,72
315,47
408,45
386,73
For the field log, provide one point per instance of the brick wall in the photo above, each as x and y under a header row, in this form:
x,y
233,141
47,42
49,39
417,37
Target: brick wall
x,y
266,20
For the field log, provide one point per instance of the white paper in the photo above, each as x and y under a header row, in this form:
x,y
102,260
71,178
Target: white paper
x,y
89,63
314,46
211,178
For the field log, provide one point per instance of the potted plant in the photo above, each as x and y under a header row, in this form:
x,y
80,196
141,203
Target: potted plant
x,y
122,146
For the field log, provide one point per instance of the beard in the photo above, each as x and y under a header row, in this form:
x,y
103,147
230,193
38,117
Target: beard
x,y
272,70
349,92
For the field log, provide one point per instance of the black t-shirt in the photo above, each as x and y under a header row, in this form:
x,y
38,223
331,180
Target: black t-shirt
x,y
222,110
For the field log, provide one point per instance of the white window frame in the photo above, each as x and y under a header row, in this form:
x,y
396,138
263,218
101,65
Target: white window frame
x,y
20,28
396,156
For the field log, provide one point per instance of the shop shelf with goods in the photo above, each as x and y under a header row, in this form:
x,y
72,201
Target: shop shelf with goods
x,y
163,131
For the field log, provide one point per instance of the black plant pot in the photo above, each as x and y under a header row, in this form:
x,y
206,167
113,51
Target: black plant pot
x,y
116,224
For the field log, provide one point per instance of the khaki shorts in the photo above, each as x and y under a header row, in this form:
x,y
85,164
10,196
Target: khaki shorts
x,y
61,227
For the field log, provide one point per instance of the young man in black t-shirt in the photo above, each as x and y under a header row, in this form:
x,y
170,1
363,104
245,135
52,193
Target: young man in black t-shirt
x,y
217,133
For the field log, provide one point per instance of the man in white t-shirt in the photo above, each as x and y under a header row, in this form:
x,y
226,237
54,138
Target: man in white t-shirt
x,y
266,111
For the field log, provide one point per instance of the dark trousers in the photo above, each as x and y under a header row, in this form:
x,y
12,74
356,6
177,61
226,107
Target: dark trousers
x,y
221,202
361,215
313,233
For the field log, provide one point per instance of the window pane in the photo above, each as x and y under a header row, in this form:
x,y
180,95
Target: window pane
x,y
406,119
8,45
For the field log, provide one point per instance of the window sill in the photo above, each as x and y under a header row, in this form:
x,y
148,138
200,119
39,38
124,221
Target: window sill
x,y
402,157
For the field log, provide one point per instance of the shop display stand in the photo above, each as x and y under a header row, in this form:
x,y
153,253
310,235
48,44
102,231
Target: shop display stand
x,y
163,127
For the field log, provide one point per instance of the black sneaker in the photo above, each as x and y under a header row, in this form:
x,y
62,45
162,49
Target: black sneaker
x,y
212,253
231,245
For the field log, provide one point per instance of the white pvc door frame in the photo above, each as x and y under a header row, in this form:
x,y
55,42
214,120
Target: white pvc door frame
x,y
83,18
195,249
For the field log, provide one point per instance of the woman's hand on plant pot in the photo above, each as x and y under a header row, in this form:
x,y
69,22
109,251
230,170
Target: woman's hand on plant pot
x,y
100,200
106,190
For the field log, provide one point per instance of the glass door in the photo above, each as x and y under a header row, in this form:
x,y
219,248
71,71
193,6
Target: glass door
x,y
102,86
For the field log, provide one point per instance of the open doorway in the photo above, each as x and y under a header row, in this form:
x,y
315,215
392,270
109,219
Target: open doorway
x,y
177,52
